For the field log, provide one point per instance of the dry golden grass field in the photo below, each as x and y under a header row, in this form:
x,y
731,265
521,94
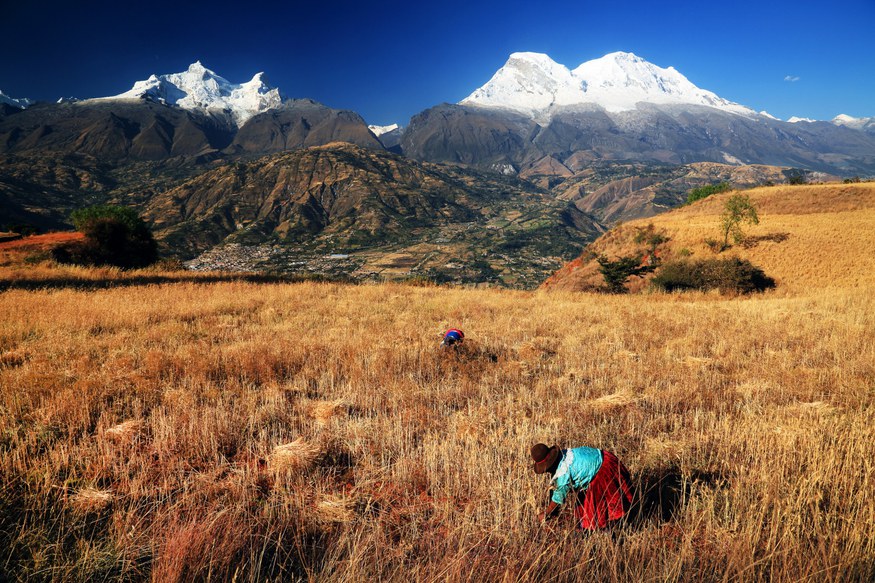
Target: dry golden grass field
x,y
812,236
186,430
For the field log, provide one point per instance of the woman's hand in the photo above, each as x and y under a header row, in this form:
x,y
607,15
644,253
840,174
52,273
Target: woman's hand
x,y
548,513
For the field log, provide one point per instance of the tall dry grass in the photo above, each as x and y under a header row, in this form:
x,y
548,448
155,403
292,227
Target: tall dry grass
x,y
236,431
809,237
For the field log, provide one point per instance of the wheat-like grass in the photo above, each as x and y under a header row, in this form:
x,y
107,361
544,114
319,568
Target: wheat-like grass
x,y
295,456
91,500
259,454
613,400
324,411
335,509
125,431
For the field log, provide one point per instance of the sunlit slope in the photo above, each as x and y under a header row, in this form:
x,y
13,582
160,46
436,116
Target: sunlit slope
x,y
808,237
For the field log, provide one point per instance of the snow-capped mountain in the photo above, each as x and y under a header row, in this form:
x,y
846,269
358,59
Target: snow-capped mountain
x,y
536,117
536,85
857,123
199,88
380,130
21,103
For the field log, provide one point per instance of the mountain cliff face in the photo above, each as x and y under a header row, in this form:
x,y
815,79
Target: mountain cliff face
x,y
504,139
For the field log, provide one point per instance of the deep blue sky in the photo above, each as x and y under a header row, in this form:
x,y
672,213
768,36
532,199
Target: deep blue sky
x,y
390,59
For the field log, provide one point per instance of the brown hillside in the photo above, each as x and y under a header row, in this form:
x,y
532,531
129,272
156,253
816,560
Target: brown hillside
x,y
812,236
17,251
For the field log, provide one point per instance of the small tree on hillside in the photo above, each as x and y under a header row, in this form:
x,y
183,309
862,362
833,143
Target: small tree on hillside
x,y
617,272
738,209
114,235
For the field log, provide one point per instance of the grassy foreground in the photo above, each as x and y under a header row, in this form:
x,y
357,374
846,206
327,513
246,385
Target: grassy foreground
x,y
314,431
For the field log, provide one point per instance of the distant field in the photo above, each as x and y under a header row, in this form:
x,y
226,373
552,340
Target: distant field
x,y
181,430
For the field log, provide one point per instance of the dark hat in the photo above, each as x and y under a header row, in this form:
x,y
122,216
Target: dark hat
x,y
544,457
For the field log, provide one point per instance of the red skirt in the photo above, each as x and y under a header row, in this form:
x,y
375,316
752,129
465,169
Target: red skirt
x,y
608,496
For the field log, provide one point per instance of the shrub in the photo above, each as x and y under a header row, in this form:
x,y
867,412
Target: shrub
x,y
114,235
729,275
23,229
796,178
706,191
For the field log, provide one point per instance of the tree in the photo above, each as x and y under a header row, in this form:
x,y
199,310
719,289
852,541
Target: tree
x,y
114,235
617,272
738,209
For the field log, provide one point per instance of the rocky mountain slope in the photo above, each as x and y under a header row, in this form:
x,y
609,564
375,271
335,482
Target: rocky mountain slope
x,y
615,193
536,163
367,213
122,131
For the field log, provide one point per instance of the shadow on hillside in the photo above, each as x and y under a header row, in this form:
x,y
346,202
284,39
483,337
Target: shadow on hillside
x,y
662,493
141,280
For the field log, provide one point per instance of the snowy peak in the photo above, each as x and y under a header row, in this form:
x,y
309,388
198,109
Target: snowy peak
x,y
380,130
528,82
534,84
21,103
857,123
198,88
618,81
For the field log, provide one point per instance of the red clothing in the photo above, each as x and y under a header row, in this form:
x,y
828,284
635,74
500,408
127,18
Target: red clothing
x,y
608,496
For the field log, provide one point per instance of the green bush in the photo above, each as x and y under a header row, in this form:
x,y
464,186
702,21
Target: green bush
x,y
114,235
729,275
706,191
